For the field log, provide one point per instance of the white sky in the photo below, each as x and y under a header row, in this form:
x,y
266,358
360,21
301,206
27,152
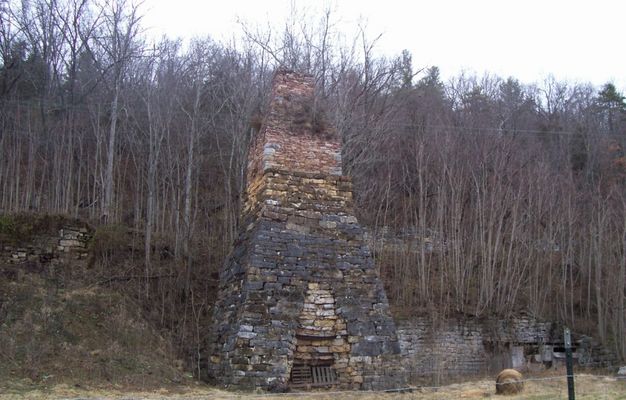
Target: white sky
x,y
528,39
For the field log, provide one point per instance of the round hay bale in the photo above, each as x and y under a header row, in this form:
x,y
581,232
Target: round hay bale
x,y
509,381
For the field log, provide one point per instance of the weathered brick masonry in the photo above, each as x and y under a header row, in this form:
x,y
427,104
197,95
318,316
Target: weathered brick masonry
x,y
300,294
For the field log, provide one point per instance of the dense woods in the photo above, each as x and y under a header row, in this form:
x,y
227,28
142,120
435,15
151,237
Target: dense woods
x,y
510,197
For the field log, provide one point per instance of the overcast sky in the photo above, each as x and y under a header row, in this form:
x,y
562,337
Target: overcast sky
x,y
528,39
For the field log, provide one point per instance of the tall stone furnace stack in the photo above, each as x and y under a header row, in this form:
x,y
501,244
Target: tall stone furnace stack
x,y
300,302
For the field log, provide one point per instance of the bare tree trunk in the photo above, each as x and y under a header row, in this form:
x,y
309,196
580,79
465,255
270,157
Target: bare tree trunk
x,y
621,289
187,221
150,204
108,178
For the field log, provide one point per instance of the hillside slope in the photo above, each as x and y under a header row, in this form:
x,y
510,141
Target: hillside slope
x,y
56,328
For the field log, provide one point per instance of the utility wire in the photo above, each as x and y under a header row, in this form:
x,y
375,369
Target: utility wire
x,y
501,131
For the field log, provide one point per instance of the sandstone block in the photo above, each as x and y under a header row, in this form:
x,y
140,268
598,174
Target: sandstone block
x,y
71,243
324,323
344,348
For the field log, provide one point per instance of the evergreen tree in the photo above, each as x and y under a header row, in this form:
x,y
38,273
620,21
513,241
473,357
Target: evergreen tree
x,y
611,104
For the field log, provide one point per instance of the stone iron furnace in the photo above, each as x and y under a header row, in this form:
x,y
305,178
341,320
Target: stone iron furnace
x,y
300,302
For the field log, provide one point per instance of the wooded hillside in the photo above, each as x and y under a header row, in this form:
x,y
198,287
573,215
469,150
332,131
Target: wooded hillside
x,y
514,195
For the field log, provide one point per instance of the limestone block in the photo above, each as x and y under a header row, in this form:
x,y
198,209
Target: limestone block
x,y
364,348
328,224
71,243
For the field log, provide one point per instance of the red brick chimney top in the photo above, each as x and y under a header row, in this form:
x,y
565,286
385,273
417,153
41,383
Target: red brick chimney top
x,y
295,136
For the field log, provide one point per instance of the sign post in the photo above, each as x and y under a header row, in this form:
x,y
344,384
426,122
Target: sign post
x,y
569,364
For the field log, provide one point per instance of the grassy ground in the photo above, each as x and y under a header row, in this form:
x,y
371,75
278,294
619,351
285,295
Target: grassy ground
x,y
587,387
53,335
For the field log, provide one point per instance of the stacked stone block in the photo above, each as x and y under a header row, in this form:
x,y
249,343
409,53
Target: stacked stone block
x,y
44,248
300,286
471,346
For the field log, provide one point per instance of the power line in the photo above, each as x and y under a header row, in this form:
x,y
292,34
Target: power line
x,y
493,131
502,131
53,106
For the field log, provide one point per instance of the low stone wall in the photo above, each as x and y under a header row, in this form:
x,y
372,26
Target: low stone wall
x,y
73,239
471,346
448,349
457,347
70,242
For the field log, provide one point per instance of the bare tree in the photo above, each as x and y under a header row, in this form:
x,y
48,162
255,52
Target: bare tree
x,y
118,43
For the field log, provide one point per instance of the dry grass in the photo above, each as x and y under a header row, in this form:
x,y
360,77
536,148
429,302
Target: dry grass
x,y
53,336
587,387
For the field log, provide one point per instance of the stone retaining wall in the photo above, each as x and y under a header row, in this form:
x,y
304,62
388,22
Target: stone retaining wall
x,y
70,242
448,349
478,346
